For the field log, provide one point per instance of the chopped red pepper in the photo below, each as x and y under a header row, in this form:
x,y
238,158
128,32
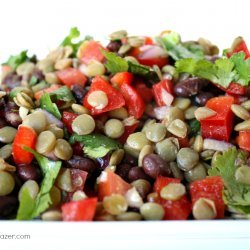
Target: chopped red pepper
x,y
115,98
90,50
82,210
25,136
40,93
122,77
234,89
174,210
163,92
243,140
133,100
71,76
239,45
220,125
68,118
210,188
111,183
145,92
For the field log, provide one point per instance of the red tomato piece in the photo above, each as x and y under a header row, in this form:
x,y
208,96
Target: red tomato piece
x,y
239,45
122,77
82,210
219,126
25,136
243,140
234,89
148,40
210,188
127,131
90,50
174,210
68,118
71,76
40,93
133,100
163,92
145,92
150,55
115,98
111,183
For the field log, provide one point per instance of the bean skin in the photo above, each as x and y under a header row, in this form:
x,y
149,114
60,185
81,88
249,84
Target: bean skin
x,y
12,115
123,170
129,159
79,92
136,173
12,80
28,172
114,46
189,87
82,163
202,98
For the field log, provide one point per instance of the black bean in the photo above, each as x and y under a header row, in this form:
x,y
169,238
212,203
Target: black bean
x,y
11,114
123,170
136,173
3,123
114,46
189,87
103,162
202,98
129,159
154,165
79,92
28,172
82,163
8,205
12,80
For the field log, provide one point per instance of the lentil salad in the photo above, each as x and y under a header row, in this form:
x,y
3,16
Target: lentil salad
x,y
140,129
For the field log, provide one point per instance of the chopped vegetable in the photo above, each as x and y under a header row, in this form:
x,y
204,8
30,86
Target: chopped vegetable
x,y
48,105
15,61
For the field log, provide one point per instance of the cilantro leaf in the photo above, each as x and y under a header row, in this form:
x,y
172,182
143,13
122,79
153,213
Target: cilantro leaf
x,y
15,61
63,94
95,145
194,126
28,208
115,63
73,39
236,195
47,104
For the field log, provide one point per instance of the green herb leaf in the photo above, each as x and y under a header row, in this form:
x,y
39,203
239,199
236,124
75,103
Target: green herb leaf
x,y
15,61
236,195
194,126
33,81
95,145
73,39
43,200
115,63
47,104
63,94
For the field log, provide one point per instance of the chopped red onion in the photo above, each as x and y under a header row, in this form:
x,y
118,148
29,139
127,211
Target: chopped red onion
x,y
216,145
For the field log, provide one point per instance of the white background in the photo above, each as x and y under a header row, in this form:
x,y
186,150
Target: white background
x,y
41,25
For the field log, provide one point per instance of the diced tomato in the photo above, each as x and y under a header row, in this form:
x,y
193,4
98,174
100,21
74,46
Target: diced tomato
x,y
25,136
71,76
174,210
133,100
163,92
150,55
127,131
82,210
220,125
78,178
90,50
145,92
40,93
234,89
68,118
111,183
122,77
115,98
148,40
239,45
210,188
243,140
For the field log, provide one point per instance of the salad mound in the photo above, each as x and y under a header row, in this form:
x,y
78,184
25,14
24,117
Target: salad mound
x,y
139,129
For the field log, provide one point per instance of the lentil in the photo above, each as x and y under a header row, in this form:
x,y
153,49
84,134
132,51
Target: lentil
x,y
63,149
173,191
152,211
115,204
83,124
114,128
98,99
187,158
204,209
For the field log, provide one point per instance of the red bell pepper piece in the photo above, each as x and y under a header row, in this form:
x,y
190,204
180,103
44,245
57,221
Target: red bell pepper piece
x,y
82,210
111,183
127,131
133,100
210,188
115,98
68,118
40,93
234,88
145,92
239,45
243,140
174,210
122,77
148,40
90,50
220,125
150,55
71,76
25,136
163,92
